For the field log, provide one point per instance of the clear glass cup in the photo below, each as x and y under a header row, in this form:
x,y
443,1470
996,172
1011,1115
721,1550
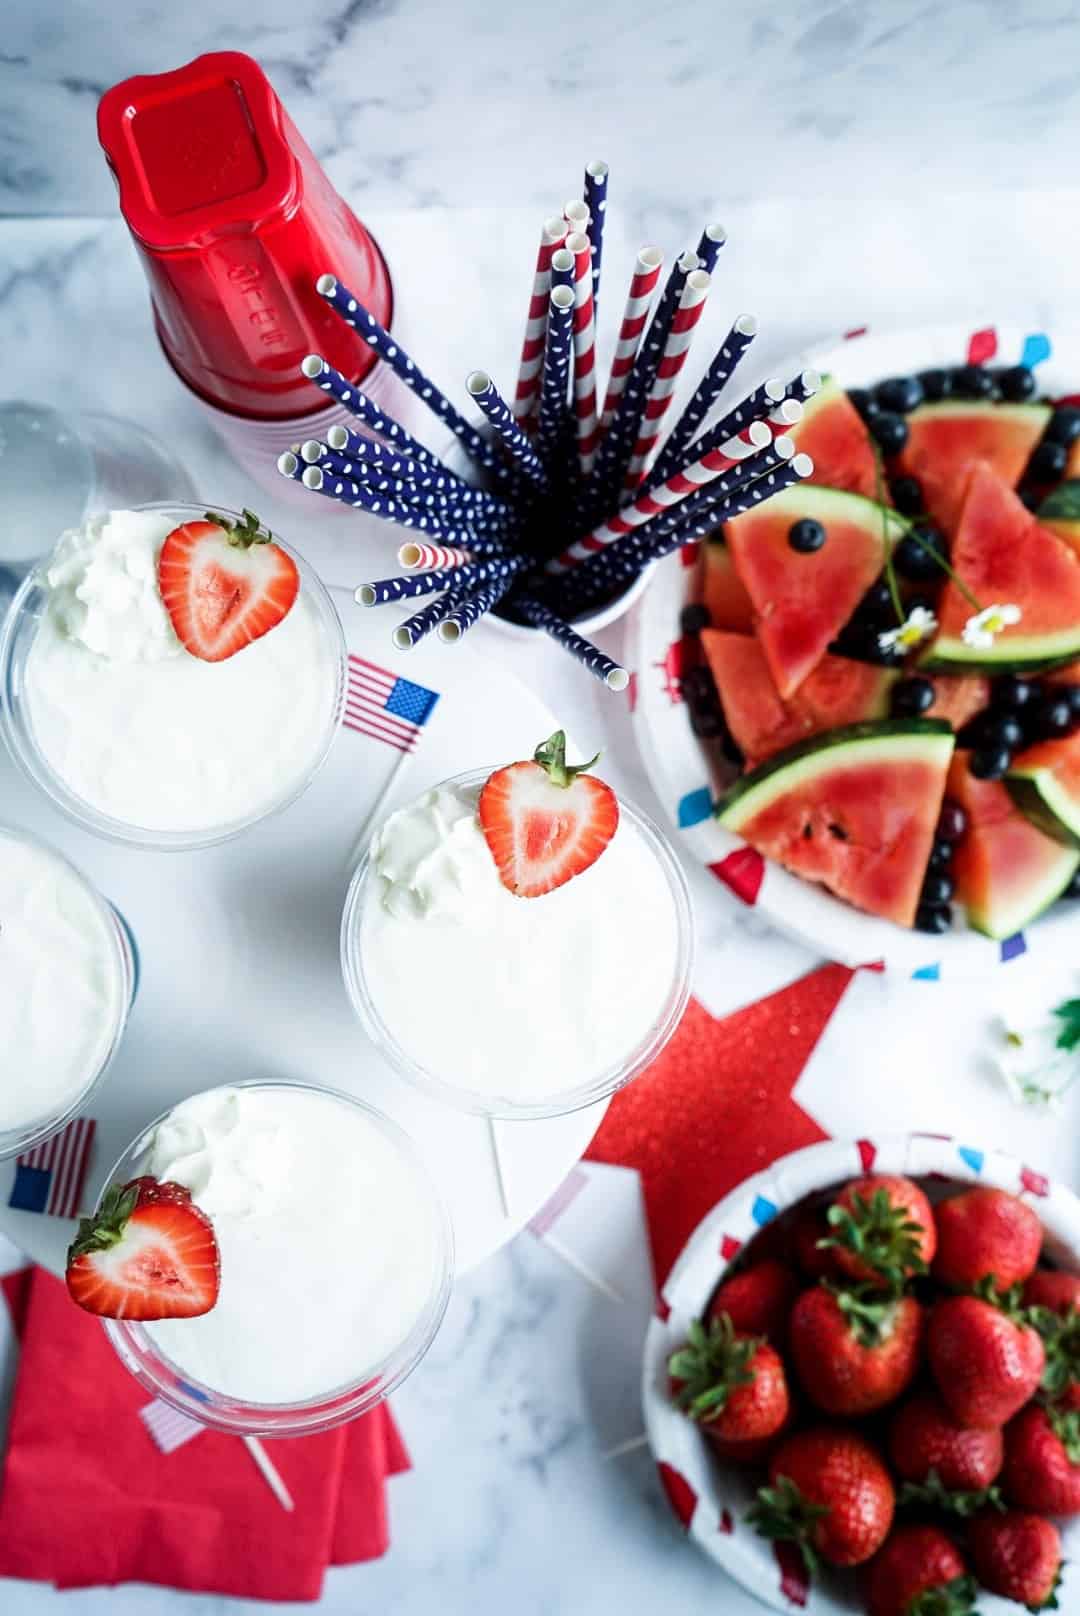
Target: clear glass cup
x,y
599,1087
123,961
58,467
373,1381
17,633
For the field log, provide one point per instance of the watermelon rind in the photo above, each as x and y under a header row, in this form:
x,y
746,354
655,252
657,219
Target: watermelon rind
x,y
1000,918
888,740
1041,796
1063,505
1036,653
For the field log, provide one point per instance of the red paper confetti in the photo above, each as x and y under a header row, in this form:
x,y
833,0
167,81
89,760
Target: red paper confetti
x,y
982,346
743,871
681,1496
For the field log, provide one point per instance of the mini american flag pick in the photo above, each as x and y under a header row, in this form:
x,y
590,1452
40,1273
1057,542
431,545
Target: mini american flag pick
x,y
169,1428
385,707
549,1214
50,1177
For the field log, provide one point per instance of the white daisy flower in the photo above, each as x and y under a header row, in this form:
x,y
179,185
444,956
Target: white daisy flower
x,y
980,630
918,626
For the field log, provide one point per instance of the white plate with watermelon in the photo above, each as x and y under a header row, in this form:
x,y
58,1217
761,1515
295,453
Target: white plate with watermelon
x,y
831,826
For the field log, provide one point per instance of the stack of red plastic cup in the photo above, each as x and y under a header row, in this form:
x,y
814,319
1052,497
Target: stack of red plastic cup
x,y
235,220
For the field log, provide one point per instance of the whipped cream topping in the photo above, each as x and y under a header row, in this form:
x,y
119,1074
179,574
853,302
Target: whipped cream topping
x,y
62,984
517,998
327,1233
142,731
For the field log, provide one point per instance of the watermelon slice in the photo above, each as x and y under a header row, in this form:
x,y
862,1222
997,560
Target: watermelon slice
x,y
1005,556
958,697
1006,871
946,440
1060,512
1044,783
762,722
832,433
801,602
727,601
854,809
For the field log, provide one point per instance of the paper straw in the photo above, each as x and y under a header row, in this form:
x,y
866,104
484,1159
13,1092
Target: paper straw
x,y
526,395
414,628
596,184
269,1472
803,386
585,416
364,323
681,335
471,608
710,387
754,407
331,381
618,444
432,557
577,214
708,248
481,388
556,372
385,590
642,286
384,461
349,492
622,563
702,471
590,656
380,474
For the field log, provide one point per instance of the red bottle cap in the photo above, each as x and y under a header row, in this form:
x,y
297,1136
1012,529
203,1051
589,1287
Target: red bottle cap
x,y
235,220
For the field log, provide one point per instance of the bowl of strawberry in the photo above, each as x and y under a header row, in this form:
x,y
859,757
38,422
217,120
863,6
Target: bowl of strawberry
x,y
862,1383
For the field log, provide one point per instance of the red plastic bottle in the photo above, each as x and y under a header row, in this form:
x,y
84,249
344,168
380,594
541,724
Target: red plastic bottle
x,y
234,221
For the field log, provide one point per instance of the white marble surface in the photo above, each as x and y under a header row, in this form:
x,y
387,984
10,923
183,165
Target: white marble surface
x,y
511,1503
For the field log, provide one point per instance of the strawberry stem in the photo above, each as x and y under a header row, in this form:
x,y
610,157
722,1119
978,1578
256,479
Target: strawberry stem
x,y
551,756
710,1366
243,534
870,1313
783,1515
880,1234
106,1227
933,1494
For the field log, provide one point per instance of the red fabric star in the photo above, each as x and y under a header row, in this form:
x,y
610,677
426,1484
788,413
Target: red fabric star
x,y
717,1106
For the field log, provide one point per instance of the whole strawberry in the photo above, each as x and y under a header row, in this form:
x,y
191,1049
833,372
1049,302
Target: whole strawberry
x,y
919,1572
1053,1303
758,1300
882,1230
1042,1462
985,1234
829,1493
1054,1289
854,1352
987,1364
939,1460
1018,1557
733,1385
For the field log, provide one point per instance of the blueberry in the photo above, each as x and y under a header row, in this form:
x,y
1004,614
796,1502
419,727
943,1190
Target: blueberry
x,y
1001,729
907,496
702,703
919,554
1052,717
730,750
990,762
973,381
937,888
806,536
933,918
1073,888
899,393
936,385
1011,693
941,854
890,431
1064,426
1017,383
952,821
864,402
694,618
911,697
1048,461
878,598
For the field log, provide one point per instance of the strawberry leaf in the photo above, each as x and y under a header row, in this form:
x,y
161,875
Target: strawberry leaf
x,y
709,1367
933,1494
956,1598
1068,1014
881,1235
870,1314
106,1227
244,533
1065,1425
783,1515
551,756
1060,1334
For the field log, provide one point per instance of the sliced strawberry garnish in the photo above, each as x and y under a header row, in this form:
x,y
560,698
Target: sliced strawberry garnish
x,y
147,1253
224,584
546,821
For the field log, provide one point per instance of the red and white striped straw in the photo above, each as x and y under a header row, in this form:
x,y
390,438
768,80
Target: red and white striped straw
x,y
680,336
552,236
695,476
642,286
432,557
585,417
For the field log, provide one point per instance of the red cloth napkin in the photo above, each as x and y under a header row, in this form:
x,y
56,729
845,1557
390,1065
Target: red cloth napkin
x,y
717,1106
87,1498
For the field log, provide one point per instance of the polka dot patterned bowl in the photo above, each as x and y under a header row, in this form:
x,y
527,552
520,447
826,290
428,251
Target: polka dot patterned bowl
x,y
710,1501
